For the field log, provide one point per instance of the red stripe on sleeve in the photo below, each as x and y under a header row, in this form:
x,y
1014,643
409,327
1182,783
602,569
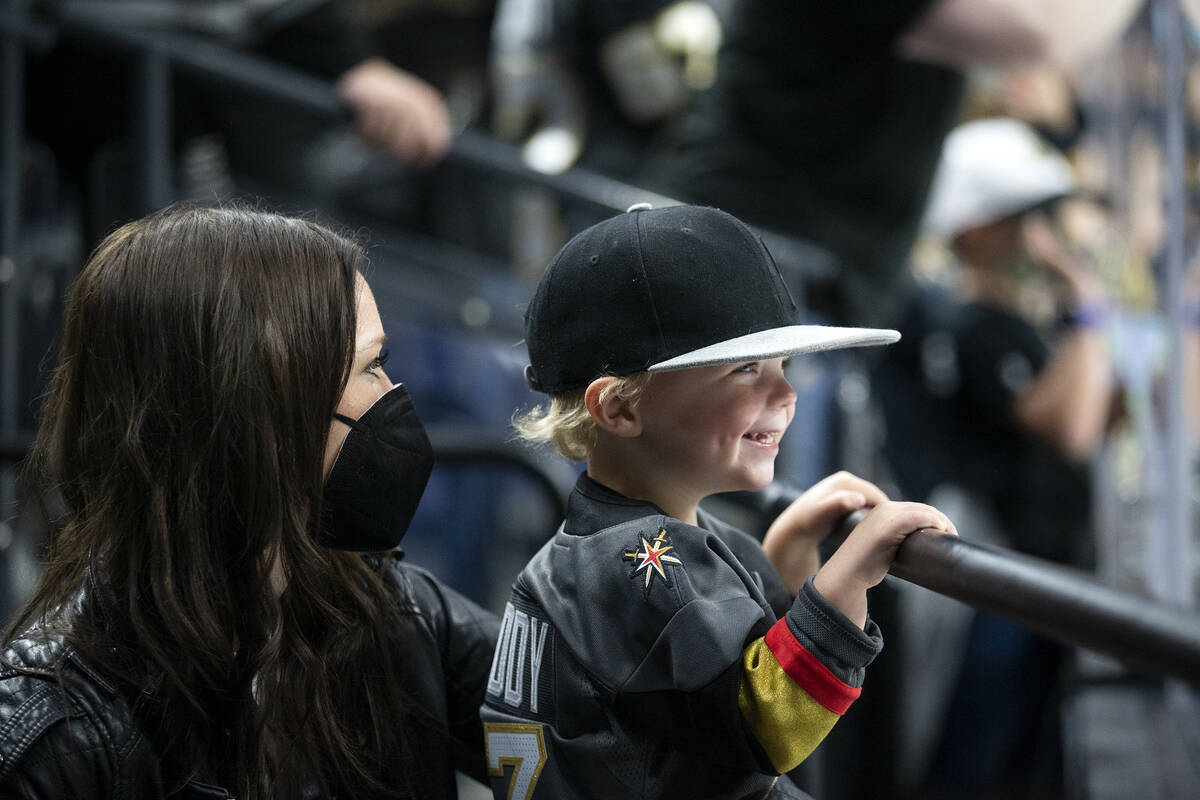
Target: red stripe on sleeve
x,y
807,670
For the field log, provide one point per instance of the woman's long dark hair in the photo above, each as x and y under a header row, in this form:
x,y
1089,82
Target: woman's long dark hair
x,y
203,354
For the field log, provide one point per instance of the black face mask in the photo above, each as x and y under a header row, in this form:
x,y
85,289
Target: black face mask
x,y
378,477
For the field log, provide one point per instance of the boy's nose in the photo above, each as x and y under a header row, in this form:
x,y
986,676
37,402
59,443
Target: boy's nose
x,y
782,392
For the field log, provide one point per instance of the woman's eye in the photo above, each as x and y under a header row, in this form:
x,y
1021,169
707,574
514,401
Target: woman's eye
x,y
378,361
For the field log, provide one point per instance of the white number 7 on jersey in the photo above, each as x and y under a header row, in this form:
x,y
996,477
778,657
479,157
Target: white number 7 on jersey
x,y
518,745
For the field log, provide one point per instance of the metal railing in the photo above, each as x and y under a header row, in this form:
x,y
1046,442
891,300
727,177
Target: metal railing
x,y
1063,603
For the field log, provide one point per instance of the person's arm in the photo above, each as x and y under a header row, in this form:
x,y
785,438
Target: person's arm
x,y
466,635
61,763
1068,402
797,680
775,694
965,33
397,111
696,657
57,743
393,109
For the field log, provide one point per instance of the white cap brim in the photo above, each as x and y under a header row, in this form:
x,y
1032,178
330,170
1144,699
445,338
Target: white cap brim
x,y
777,343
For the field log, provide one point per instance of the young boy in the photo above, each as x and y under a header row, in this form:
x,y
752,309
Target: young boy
x,y
649,650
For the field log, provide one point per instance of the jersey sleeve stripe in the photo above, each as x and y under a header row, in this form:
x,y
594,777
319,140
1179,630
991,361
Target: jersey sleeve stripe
x,y
807,670
785,719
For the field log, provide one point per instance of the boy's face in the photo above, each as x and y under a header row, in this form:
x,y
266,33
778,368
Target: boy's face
x,y
717,429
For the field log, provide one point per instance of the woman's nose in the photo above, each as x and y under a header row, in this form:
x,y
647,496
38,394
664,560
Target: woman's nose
x,y
385,382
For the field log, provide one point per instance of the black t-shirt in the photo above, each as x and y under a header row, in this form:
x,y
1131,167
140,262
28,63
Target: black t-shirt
x,y
947,390
815,128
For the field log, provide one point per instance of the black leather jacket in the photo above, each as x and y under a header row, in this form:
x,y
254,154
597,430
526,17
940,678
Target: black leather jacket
x,y
85,744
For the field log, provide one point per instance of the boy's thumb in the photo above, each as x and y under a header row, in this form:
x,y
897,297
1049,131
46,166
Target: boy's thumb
x,y
842,503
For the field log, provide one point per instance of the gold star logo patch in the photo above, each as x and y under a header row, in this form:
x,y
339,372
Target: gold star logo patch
x,y
650,557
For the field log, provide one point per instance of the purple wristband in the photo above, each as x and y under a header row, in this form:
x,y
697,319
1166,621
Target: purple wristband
x,y
1087,315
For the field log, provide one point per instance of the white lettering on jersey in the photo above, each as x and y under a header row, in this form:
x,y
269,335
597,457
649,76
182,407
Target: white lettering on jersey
x,y
537,647
496,676
522,643
514,674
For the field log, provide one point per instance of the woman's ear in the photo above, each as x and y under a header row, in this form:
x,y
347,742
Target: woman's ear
x,y
612,413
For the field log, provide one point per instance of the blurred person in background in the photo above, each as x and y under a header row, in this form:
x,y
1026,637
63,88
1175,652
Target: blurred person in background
x,y
593,84
826,121
222,133
225,611
1041,94
1008,392
400,121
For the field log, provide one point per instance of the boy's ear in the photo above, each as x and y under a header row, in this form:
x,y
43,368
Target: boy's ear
x,y
613,414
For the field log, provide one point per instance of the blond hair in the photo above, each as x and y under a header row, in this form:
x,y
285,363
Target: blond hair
x,y
566,423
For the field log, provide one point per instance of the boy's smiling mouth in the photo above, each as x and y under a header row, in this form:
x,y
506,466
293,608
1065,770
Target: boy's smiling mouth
x,y
764,437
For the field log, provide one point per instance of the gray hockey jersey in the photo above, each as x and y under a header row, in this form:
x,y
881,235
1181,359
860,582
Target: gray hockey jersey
x,y
641,657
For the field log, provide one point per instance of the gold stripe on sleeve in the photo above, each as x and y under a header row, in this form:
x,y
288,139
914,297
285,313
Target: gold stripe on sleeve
x,y
786,720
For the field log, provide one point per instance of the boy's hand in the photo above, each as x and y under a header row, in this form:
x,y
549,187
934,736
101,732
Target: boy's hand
x,y
868,552
791,541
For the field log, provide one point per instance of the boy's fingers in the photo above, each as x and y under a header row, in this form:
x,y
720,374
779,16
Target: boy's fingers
x,y
915,516
848,481
839,504
940,521
872,494
934,519
848,501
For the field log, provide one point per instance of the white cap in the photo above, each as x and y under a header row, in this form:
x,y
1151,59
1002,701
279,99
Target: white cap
x,y
992,168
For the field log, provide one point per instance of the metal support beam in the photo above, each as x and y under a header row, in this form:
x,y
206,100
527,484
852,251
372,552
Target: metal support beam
x,y
12,145
154,129
12,141
1173,564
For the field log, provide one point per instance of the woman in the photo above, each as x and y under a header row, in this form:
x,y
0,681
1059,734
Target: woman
x,y
220,432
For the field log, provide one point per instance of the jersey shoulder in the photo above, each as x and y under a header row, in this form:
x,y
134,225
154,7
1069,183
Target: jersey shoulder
x,y
610,595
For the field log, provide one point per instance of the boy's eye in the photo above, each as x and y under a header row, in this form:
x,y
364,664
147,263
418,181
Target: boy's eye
x,y
752,367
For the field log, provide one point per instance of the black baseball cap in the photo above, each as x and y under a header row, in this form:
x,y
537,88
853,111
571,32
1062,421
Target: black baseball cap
x,y
666,289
